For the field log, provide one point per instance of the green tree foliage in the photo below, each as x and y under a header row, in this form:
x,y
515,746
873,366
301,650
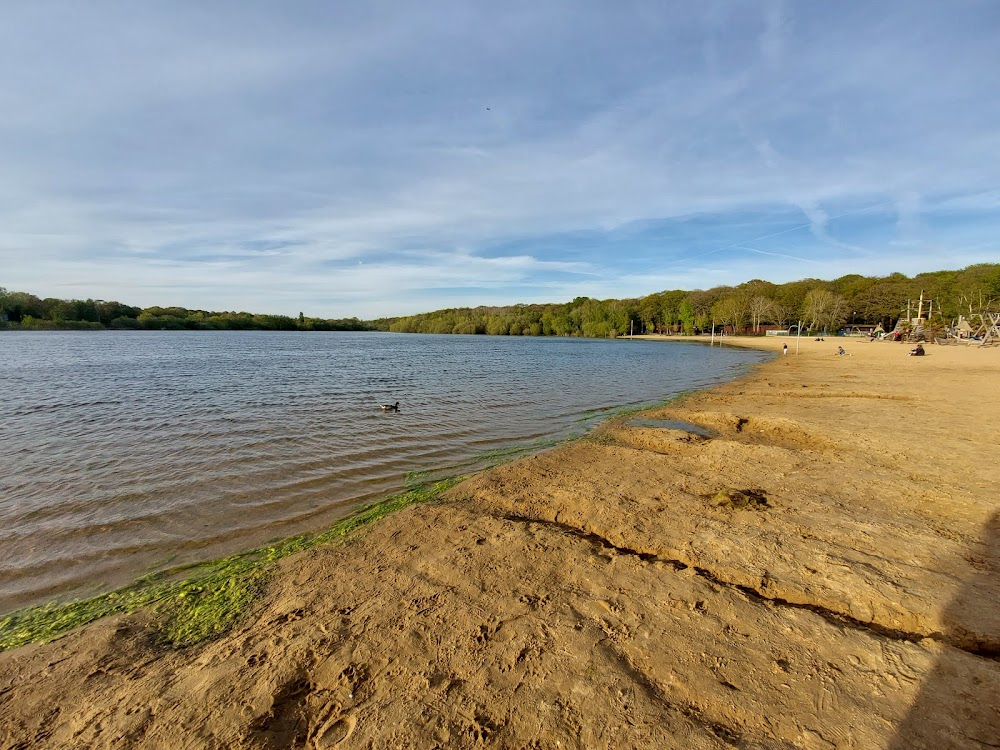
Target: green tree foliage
x,y
686,316
749,307
22,310
18,304
731,311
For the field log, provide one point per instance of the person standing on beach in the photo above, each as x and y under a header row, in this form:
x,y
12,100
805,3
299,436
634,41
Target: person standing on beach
x,y
784,349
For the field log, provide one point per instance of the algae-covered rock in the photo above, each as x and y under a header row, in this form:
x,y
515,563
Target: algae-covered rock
x,y
734,499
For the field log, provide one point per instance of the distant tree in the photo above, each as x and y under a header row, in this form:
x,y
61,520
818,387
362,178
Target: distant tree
x,y
497,326
762,309
107,312
650,312
792,295
19,304
732,311
882,303
686,314
824,304
824,310
779,313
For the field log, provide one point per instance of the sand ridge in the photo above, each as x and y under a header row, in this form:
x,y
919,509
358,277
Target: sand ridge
x,y
821,574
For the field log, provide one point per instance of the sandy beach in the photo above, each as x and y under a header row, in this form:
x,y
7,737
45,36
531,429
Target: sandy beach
x,y
822,572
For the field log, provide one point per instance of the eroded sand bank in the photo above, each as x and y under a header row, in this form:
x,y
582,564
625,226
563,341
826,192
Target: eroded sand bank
x,y
825,573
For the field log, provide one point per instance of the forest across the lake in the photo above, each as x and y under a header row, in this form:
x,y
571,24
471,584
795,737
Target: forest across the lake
x,y
750,308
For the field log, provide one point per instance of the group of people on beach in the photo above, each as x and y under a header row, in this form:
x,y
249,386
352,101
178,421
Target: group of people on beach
x,y
916,352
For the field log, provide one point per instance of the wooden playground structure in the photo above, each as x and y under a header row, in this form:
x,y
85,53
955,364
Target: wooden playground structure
x,y
978,328
981,329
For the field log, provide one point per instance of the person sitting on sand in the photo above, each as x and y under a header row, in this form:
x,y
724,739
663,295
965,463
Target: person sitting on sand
x,y
840,351
918,351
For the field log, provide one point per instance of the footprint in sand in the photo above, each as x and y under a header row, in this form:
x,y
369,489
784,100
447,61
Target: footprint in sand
x,y
333,733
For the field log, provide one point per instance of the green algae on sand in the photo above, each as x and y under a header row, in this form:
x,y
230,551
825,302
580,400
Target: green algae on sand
x,y
192,603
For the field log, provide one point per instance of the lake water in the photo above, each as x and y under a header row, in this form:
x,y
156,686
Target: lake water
x,y
127,452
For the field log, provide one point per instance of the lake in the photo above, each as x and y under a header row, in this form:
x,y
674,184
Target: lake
x,y
124,452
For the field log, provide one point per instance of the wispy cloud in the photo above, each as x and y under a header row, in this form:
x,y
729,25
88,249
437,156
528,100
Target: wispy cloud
x,y
818,220
772,39
777,255
262,157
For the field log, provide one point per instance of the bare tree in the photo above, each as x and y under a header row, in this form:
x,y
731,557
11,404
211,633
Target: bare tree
x,y
763,309
824,309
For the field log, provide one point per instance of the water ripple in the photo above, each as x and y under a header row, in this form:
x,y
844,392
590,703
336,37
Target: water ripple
x,y
125,452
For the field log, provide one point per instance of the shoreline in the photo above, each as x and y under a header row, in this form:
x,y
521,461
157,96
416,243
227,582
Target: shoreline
x,y
821,574
122,582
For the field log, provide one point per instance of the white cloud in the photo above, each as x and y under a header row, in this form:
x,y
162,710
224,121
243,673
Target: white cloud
x,y
257,149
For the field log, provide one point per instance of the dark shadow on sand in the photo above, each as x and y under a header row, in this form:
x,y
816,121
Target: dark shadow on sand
x,y
958,705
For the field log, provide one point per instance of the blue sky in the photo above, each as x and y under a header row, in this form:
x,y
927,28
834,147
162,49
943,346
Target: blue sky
x,y
386,158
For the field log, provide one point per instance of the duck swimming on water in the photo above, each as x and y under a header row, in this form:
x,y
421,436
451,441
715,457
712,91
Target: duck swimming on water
x,y
390,407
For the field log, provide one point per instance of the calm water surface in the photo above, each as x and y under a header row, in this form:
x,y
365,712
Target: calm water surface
x,y
126,452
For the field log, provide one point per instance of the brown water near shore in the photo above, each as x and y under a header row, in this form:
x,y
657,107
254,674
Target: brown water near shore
x,y
824,573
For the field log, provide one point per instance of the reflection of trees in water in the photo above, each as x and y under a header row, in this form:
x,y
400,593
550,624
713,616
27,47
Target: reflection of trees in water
x,y
958,705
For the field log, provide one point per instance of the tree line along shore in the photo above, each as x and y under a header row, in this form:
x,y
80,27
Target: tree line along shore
x,y
749,308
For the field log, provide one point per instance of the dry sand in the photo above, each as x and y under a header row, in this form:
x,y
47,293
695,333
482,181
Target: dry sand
x,y
842,592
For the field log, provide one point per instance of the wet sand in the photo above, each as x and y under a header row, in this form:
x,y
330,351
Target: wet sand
x,y
824,573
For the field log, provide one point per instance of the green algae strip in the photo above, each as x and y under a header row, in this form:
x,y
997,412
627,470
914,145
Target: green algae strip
x,y
195,602
497,456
